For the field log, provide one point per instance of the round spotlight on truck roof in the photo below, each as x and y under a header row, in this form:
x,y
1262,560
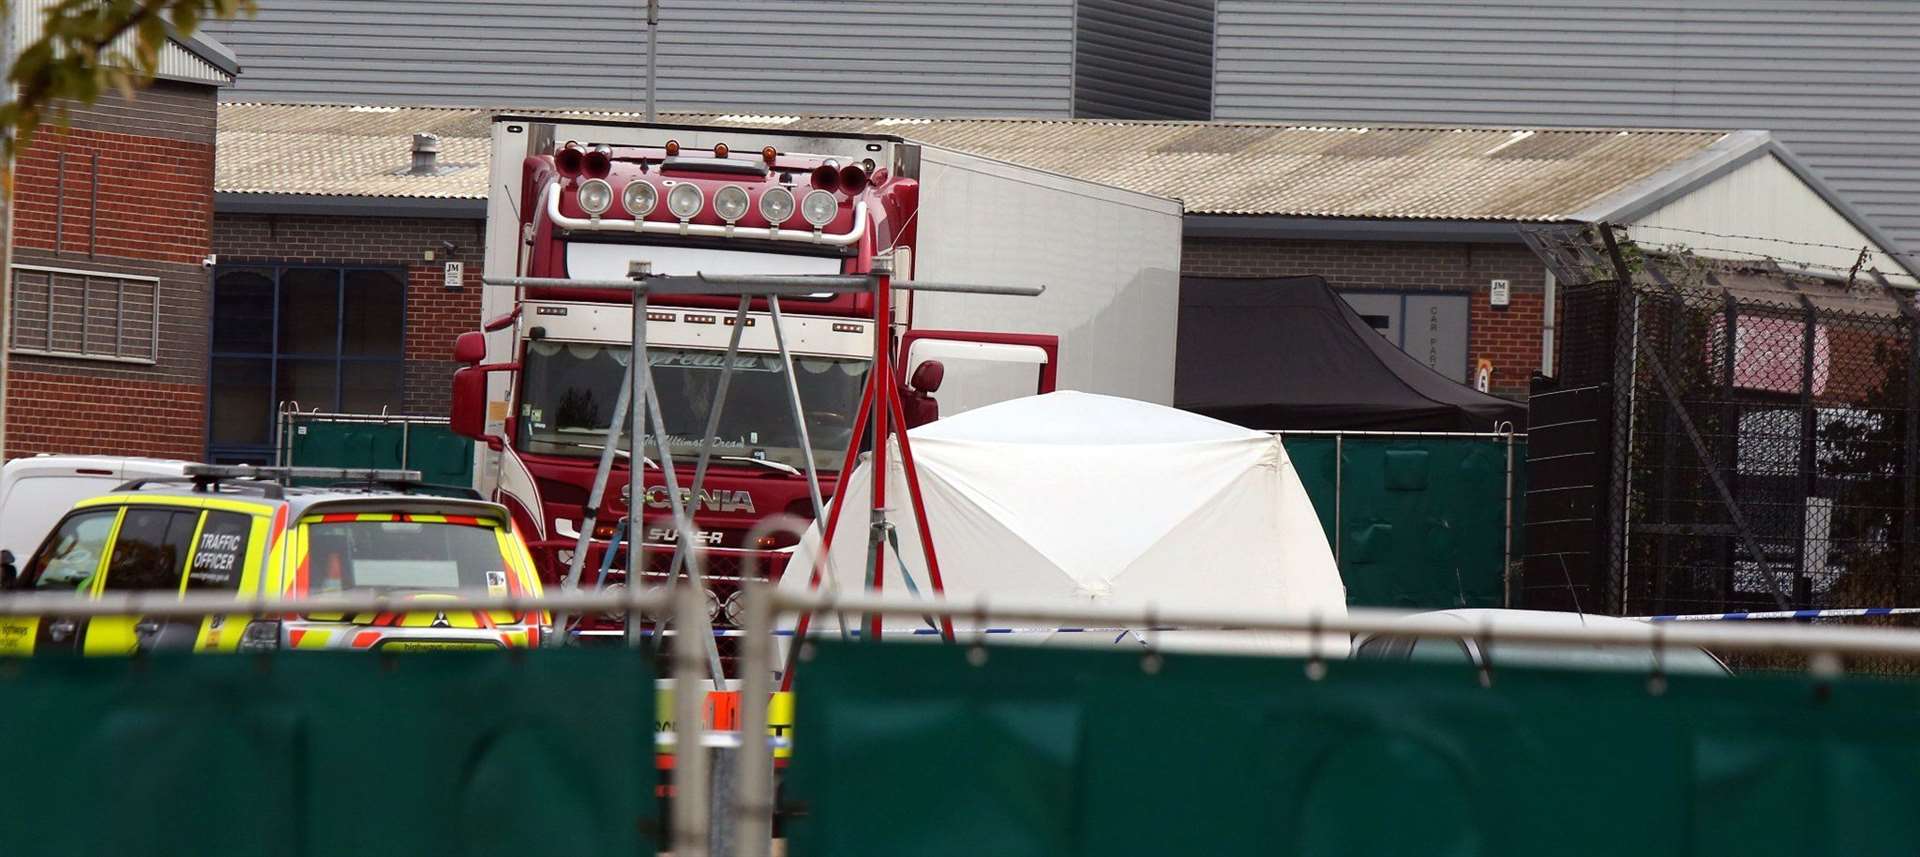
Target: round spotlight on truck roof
x,y
731,203
596,196
734,608
713,607
819,208
639,198
685,200
776,205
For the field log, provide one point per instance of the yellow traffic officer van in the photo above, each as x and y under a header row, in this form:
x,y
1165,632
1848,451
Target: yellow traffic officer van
x,y
252,533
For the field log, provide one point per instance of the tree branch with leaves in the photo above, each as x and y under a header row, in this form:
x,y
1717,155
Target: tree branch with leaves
x,y
86,47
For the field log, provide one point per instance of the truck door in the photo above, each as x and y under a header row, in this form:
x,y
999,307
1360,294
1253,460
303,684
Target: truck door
x,y
969,369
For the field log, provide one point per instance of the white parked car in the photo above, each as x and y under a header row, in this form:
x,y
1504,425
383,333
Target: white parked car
x,y
35,492
1469,648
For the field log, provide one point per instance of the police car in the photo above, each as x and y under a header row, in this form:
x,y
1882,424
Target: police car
x,y
254,534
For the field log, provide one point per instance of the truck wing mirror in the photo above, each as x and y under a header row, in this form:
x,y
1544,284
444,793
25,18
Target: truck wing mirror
x,y
928,375
9,574
468,415
470,348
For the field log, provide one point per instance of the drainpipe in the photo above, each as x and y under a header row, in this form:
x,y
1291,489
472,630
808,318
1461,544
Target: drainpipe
x,y
653,50
1546,326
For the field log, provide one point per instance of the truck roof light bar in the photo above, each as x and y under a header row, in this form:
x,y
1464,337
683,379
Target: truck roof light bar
x,y
704,230
217,472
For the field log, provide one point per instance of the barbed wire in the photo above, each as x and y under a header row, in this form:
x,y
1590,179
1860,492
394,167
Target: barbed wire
x,y
1757,255
1774,240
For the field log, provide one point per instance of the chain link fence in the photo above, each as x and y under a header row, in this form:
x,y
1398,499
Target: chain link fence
x,y
1748,431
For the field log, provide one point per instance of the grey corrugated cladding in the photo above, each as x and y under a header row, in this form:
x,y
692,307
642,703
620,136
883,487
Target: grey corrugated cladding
x,y
1013,57
1144,59
1837,80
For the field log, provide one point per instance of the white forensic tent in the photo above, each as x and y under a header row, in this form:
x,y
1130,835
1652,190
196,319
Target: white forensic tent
x,y
1094,499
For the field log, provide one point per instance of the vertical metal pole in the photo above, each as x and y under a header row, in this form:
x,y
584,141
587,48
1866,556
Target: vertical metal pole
x,y
6,248
1910,460
637,378
1506,548
1730,450
1339,465
1626,337
1809,459
754,801
883,370
799,413
690,786
653,51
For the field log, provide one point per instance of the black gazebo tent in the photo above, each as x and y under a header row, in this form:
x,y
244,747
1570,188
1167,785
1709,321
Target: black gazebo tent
x,y
1288,353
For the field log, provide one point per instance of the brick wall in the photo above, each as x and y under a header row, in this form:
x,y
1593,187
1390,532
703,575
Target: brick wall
x,y
435,314
136,199
1508,336
73,413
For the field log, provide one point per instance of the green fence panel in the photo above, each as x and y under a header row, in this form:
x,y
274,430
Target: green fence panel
x,y
319,754
912,749
1422,520
442,457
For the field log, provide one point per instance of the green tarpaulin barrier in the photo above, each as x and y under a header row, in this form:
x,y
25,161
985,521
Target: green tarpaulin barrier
x,y
442,457
323,754
1422,520
910,749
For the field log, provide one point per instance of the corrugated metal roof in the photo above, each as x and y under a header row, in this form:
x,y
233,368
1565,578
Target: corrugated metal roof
x,y
1214,168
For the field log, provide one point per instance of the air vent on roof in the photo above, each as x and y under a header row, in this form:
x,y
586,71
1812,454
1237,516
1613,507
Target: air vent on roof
x,y
426,158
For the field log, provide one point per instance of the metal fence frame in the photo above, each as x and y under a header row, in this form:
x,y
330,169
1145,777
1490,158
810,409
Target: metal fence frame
x,y
1757,425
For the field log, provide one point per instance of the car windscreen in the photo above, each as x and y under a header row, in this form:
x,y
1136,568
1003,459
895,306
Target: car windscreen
x,y
394,553
1676,660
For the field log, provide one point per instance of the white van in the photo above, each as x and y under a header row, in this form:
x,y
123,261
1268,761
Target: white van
x,y
36,491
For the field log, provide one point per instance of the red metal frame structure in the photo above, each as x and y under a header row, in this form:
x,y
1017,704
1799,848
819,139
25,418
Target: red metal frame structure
x,y
880,403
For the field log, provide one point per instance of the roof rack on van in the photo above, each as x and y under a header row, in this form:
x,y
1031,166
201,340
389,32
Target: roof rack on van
x,y
273,480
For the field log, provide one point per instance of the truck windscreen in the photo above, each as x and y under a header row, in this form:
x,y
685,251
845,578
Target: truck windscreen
x,y
569,391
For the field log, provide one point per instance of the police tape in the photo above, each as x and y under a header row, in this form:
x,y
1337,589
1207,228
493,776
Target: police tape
x,y
912,632
1744,615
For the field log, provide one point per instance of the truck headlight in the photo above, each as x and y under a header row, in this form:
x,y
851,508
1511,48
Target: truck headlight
x,y
776,205
731,203
596,196
819,208
685,200
639,198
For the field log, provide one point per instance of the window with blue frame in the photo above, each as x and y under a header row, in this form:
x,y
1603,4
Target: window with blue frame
x,y
325,338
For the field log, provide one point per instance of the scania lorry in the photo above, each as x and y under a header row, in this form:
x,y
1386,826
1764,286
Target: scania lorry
x,y
581,198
